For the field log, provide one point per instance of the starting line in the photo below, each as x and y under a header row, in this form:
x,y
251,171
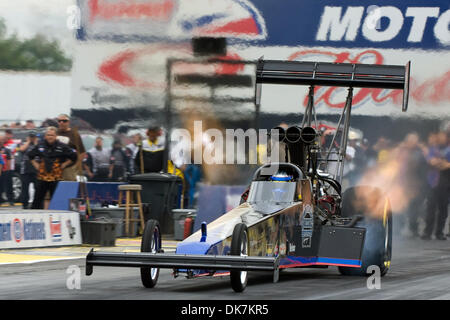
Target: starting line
x,y
6,258
46,254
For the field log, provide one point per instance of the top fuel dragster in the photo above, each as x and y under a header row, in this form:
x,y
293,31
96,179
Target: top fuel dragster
x,y
295,213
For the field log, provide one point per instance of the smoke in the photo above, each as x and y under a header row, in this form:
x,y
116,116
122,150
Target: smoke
x,y
213,173
391,174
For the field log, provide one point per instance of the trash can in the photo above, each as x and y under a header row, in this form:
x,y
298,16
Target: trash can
x,y
117,215
163,192
179,216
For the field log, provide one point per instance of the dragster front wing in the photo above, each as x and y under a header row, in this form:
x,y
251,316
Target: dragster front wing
x,y
180,261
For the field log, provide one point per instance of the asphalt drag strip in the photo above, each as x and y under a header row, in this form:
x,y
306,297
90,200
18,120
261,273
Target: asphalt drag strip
x,y
419,270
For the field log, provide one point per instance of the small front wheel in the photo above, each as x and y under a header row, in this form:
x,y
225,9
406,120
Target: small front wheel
x,y
151,242
239,247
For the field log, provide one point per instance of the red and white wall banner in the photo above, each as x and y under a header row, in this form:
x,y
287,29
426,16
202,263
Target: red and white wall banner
x,y
41,229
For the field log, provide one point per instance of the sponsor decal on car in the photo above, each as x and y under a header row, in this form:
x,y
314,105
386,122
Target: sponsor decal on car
x,y
283,248
307,224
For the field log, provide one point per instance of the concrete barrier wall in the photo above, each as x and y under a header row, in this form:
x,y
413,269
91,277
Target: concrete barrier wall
x,y
39,228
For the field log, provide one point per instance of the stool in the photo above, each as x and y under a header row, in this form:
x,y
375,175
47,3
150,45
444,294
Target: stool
x,y
130,190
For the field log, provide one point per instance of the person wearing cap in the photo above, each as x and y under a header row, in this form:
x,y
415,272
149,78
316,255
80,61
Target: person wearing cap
x,y
28,173
71,137
49,157
150,155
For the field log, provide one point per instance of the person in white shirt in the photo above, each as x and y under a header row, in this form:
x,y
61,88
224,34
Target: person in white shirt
x,y
98,161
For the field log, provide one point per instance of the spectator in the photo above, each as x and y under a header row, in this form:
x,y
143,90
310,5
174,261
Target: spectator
x,y
129,164
438,159
365,148
446,172
6,177
49,157
11,144
29,124
70,136
358,159
382,150
328,144
97,161
118,162
413,178
151,154
349,164
87,165
49,123
133,149
9,137
193,175
27,170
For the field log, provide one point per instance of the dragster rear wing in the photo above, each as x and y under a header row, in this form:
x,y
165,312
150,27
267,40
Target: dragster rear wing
x,y
333,74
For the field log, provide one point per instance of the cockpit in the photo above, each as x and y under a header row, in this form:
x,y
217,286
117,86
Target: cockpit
x,y
274,187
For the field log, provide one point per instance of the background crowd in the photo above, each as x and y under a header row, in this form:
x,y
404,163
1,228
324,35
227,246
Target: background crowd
x,y
56,152
414,173
419,168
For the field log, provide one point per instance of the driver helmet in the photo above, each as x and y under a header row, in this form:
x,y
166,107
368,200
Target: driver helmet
x,y
281,177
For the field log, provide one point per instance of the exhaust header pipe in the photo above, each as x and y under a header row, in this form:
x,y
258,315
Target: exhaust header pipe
x,y
308,135
296,134
293,134
296,142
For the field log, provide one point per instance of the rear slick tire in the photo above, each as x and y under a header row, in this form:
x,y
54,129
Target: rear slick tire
x,y
239,247
377,250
